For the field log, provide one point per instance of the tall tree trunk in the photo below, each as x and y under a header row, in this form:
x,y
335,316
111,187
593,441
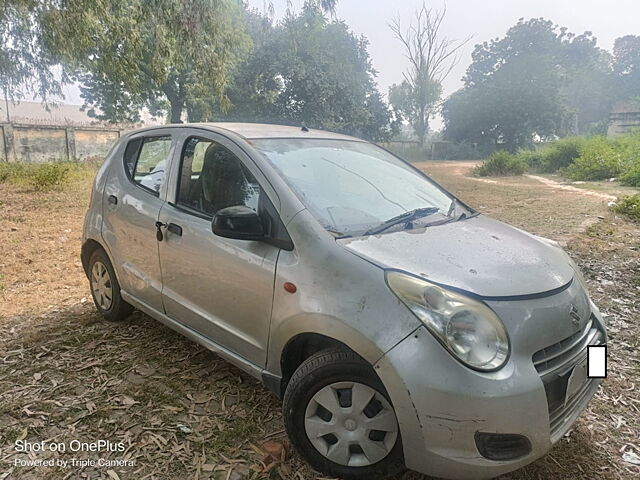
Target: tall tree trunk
x,y
177,106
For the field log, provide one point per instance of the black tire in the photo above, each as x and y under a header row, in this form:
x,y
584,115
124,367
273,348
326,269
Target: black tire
x,y
117,309
318,371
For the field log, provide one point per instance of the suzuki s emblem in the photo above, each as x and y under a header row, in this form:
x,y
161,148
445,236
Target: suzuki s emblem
x,y
575,315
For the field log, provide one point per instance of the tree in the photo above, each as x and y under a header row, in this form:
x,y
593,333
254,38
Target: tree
x,y
539,81
161,54
309,70
431,58
24,66
626,52
521,102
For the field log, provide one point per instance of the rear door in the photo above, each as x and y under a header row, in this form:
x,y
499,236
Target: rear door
x,y
133,195
222,288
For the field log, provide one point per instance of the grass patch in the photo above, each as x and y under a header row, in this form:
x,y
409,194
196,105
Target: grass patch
x,y
501,164
45,176
629,206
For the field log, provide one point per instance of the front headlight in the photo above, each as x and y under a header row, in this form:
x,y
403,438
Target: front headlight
x,y
468,329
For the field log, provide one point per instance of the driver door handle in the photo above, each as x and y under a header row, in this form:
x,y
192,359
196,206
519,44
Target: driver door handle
x,y
175,229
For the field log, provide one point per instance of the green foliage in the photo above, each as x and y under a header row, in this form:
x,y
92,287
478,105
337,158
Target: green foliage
x,y
632,175
629,148
10,171
45,176
561,153
534,159
415,105
24,65
308,69
626,52
537,82
598,160
501,164
629,206
128,55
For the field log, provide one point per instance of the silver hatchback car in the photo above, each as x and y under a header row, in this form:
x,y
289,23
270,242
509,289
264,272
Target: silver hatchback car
x,y
401,328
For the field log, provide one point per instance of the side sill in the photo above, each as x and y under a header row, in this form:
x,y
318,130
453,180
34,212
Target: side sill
x,y
273,383
191,334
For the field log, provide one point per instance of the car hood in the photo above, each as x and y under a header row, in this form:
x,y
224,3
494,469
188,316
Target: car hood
x,y
479,255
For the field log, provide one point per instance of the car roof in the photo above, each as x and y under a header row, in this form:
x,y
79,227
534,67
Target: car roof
x,y
253,131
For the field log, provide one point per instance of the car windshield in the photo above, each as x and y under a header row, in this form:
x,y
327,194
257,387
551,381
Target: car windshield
x,y
354,187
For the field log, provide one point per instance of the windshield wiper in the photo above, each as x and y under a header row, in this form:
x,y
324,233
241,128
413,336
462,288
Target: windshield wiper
x,y
402,218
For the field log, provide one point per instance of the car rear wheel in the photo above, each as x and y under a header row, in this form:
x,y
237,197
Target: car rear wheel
x,y
105,289
339,418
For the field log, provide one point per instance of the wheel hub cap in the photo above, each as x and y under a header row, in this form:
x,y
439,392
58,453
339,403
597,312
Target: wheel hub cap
x,y
101,285
351,424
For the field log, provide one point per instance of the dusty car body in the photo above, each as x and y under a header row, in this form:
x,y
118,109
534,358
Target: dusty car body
x,y
483,369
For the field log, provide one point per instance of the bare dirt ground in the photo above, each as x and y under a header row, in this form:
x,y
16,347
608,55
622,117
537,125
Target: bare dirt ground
x,y
184,413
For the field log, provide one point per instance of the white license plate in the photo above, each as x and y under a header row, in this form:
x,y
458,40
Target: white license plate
x,y
576,380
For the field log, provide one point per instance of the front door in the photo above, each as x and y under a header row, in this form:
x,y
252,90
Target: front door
x,y
133,196
221,288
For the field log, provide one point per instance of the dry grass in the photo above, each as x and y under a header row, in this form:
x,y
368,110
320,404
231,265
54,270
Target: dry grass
x,y
184,413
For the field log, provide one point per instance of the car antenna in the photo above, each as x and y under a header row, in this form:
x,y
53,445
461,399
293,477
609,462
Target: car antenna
x,y
304,128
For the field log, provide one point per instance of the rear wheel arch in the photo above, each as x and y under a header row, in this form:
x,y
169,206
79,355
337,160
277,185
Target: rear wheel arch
x,y
89,246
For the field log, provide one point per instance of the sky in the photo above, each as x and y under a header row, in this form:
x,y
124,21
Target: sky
x,y
482,19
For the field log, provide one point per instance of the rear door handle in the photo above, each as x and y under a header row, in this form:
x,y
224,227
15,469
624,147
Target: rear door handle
x,y
112,199
175,229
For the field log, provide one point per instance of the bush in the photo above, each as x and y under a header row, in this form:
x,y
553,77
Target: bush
x,y
632,175
534,159
49,175
44,176
598,160
629,148
11,171
501,164
629,206
561,154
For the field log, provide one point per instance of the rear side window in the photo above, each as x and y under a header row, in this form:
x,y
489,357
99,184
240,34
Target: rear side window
x,y
145,161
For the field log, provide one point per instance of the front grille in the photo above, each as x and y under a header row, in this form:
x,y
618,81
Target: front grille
x,y
555,364
559,419
568,351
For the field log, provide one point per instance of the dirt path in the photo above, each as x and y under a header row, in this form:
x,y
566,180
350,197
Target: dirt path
x,y
561,186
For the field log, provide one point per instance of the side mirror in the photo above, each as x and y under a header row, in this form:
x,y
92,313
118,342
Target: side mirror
x,y
238,222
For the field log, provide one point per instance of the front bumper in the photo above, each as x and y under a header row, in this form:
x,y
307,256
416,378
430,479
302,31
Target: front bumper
x,y
442,405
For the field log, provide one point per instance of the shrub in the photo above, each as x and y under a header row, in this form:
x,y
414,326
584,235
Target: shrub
x,y
501,164
534,159
598,160
629,148
632,175
49,175
561,154
10,171
43,176
629,206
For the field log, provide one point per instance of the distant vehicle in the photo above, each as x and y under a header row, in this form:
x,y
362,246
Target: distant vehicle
x,y
399,326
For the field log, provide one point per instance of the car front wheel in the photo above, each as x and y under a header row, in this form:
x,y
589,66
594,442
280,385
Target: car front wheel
x,y
339,418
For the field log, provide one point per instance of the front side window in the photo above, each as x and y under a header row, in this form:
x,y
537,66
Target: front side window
x,y
353,187
146,160
213,178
